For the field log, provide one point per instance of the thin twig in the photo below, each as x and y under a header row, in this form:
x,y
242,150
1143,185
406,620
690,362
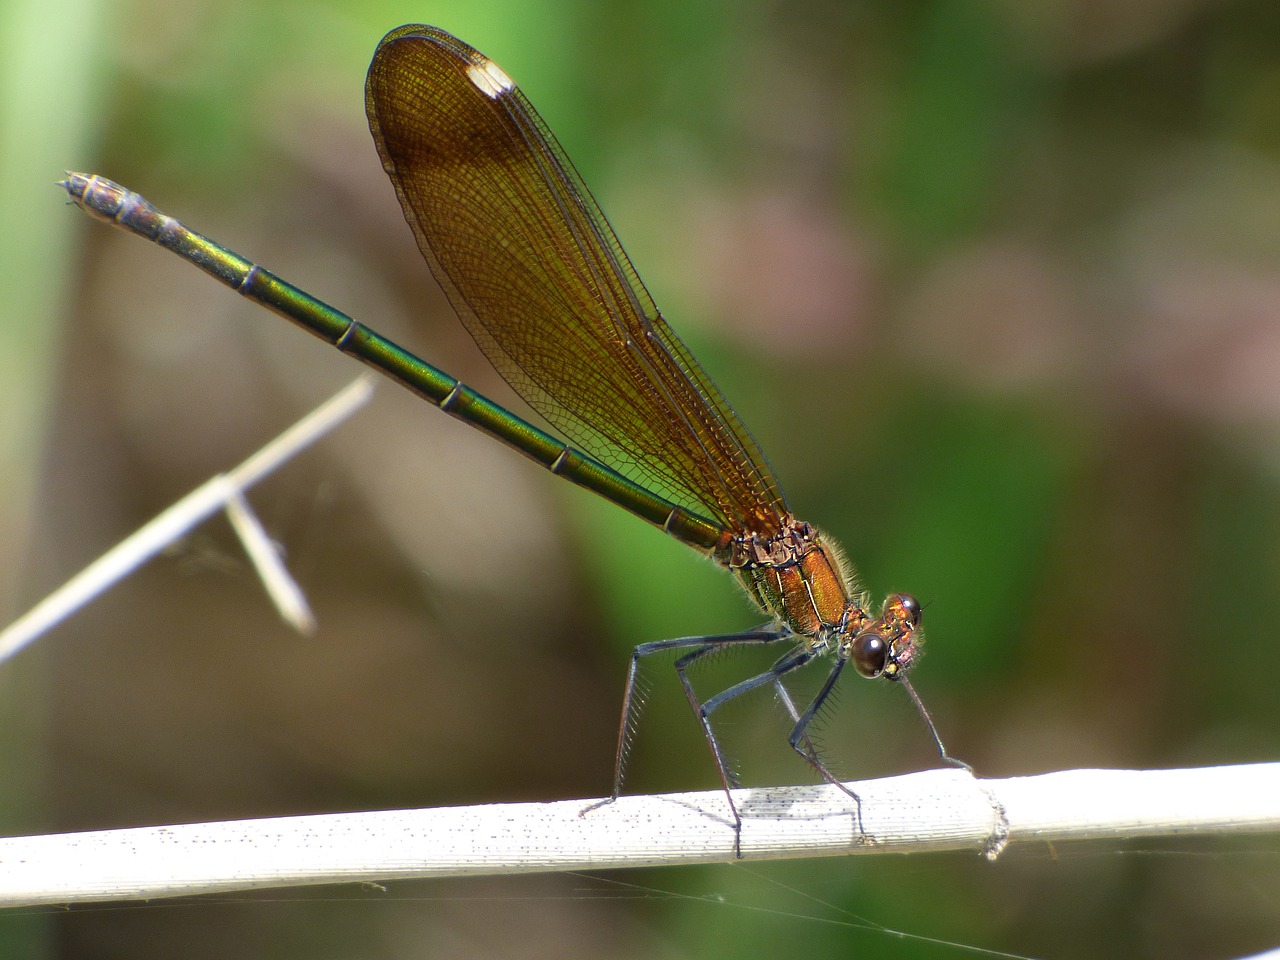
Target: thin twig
x,y
222,492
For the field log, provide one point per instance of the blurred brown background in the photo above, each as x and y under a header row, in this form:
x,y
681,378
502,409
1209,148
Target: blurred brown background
x,y
996,285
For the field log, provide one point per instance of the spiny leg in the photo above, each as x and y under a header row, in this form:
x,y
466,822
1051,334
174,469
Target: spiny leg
x,y
794,713
703,710
632,700
803,745
933,729
795,659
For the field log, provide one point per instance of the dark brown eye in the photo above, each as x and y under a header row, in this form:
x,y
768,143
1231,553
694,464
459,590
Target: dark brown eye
x,y
910,608
869,655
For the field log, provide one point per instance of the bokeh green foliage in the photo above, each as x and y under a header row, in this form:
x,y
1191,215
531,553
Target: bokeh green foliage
x,y
1027,382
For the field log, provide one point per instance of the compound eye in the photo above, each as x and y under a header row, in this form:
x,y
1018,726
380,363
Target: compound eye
x,y
869,655
910,608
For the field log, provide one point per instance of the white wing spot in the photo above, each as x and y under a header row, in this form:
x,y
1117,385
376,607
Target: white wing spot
x,y
490,78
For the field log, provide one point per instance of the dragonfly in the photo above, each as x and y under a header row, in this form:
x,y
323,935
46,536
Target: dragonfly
x,y
541,282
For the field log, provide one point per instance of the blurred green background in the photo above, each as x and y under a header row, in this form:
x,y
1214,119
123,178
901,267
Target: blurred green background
x,y
995,284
